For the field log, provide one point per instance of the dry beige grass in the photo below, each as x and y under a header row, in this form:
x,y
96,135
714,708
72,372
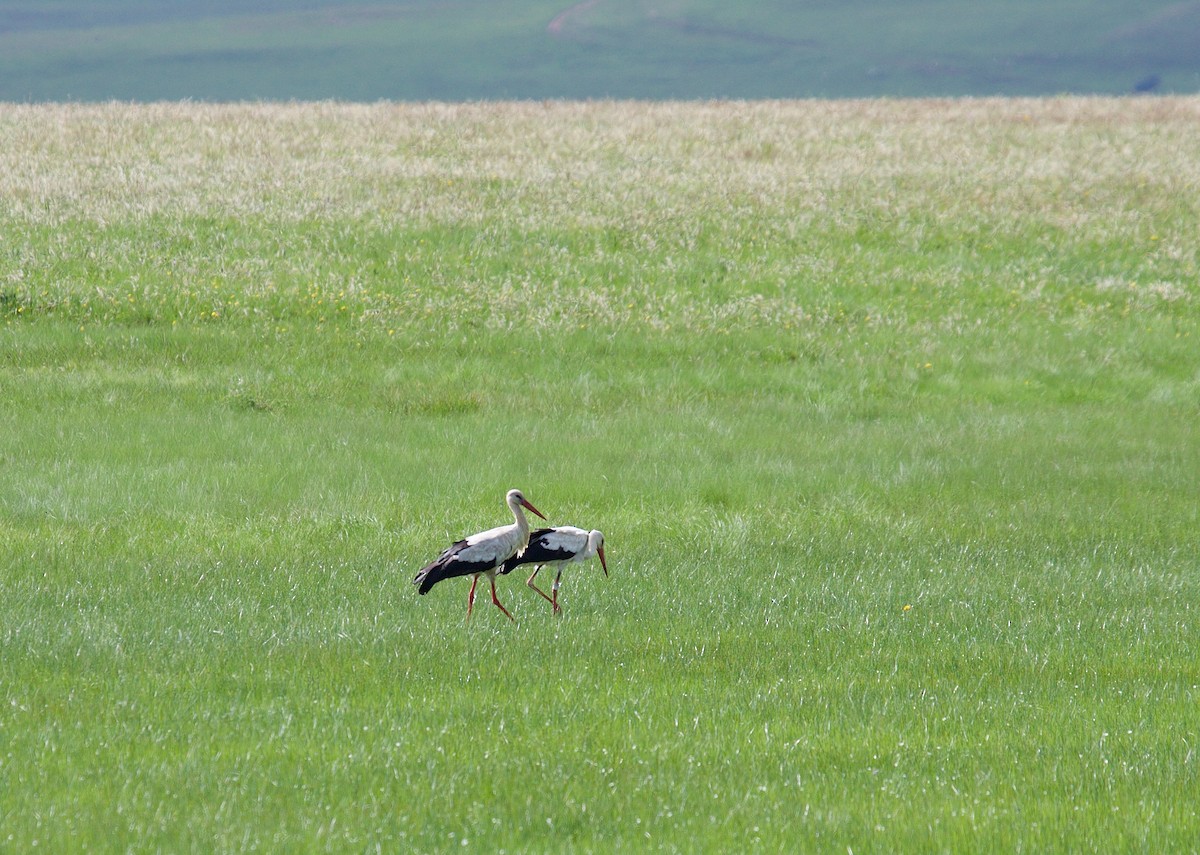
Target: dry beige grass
x,y
563,162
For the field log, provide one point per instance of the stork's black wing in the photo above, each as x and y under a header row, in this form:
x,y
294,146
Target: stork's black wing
x,y
545,545
448,565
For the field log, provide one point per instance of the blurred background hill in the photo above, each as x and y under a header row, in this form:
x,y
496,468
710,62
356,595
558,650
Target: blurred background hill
x,y
417,50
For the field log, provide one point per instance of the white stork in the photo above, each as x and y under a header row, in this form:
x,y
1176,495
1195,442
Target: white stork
x,y
481,553
558,547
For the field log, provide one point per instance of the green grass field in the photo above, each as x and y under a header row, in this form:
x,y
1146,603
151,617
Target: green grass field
x,y
888,410
465,50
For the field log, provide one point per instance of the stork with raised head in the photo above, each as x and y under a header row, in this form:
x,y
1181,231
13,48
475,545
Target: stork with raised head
x,y
559,547
482,553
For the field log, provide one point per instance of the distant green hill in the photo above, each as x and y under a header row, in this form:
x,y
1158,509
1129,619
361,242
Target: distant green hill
x,y
91,50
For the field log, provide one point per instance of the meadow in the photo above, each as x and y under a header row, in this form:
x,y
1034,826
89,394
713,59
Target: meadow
x,y
888,411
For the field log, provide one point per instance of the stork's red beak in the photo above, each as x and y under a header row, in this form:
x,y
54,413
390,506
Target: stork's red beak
x,y
532,508
600,552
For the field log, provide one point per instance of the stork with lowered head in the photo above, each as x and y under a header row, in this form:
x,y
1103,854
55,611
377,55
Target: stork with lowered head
x,y
557,547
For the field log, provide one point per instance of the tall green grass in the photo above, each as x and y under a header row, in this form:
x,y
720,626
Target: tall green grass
x,y
887,410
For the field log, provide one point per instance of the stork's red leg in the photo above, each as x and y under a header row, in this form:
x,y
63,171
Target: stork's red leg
x,y
554,588
471,596
529,582
495,599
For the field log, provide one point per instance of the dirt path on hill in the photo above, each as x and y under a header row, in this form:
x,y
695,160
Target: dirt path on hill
x,y
562,24
559,22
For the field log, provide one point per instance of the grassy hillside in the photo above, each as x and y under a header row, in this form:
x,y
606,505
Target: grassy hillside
x,y
889,412
433,50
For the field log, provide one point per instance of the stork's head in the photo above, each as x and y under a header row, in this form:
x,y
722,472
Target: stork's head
x,y
597,538
516,498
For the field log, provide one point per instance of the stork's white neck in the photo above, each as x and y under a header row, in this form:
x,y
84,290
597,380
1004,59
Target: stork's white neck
x,y
519,515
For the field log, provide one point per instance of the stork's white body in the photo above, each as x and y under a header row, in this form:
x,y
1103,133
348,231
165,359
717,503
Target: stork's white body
x,y
496,545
